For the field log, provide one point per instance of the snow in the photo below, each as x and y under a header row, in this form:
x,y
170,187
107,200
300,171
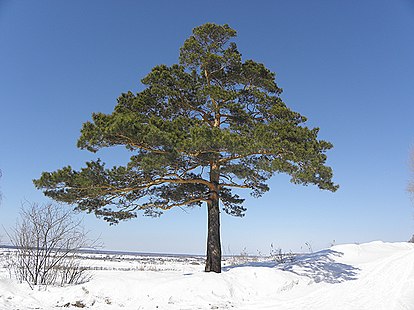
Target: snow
x,y
373,275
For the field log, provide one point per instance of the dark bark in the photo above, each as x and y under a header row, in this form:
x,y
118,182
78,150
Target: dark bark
x,y
213,261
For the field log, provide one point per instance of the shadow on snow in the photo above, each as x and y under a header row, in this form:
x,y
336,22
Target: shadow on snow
x,y
320,267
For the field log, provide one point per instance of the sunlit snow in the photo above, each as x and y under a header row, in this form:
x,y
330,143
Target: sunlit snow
x,y
374,275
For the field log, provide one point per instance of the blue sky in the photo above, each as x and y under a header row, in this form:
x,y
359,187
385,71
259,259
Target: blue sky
x,y
346,65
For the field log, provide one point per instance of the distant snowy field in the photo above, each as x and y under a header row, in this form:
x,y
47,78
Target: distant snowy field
x,y
374,275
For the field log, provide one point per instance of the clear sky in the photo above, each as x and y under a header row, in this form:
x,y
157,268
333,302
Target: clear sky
x,y
346,65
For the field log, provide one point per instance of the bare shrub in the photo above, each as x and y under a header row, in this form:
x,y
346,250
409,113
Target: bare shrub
x,y
239,259
48,240
279,256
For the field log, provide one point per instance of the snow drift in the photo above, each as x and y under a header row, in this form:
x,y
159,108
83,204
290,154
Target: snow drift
x,y
374,275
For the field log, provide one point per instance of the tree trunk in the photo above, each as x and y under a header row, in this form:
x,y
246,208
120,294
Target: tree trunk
x,y
213,261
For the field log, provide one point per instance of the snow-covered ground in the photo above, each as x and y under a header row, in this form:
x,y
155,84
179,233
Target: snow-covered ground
x,y
374,275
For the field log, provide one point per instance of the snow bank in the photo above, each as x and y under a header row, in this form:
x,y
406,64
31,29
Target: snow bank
x,y
374,275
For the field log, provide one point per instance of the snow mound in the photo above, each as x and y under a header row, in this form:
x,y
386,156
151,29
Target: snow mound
x,y
374,275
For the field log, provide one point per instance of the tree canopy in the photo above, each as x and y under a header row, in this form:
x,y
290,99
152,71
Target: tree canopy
x,y
200,129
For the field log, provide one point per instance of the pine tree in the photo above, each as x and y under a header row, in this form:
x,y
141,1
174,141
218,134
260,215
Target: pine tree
x,y
200,129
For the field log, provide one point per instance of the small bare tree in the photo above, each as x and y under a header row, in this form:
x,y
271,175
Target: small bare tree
x,y
48,239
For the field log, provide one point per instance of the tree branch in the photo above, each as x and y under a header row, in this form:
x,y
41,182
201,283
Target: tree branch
x,y
140,146
167,206
235,185
234,157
